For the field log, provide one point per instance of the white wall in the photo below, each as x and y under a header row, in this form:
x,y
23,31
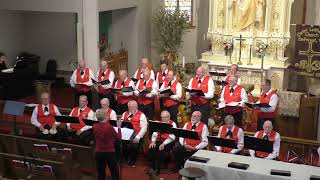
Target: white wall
x,y
12,36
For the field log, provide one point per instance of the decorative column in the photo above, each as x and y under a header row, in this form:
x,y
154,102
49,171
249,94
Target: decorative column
x,y
266,23
226,27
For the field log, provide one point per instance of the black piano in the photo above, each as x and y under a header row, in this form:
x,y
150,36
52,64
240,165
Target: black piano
x,y
19,82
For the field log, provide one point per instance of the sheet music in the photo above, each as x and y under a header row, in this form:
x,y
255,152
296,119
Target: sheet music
x,y
9,70
233,104
221,105
31,105
126,133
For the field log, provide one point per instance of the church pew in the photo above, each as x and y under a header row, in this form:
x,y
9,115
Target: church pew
x,y
84,155
27,168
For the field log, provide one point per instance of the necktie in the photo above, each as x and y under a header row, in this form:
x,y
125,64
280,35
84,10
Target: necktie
x,y
199,81
81,110
265,95
169,84
130,116
265,137
229,133
163,74
46,109
194,126
103,74
231,90
122,84
145,83
82,73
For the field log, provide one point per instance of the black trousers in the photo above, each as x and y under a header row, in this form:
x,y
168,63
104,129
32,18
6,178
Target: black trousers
x,y
157,157
61,134
148,110
262,120
121,108
104,158
237,118
110,96
78,94
130,151
181,155
173,110
205,111
84,138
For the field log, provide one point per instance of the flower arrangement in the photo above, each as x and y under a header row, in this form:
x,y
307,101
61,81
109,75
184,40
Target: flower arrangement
x,y
261,47
227,46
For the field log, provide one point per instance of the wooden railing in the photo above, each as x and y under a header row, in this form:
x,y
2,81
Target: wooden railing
x,y
117,61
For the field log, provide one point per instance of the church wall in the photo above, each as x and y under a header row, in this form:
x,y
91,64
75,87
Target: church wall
x,y
12,39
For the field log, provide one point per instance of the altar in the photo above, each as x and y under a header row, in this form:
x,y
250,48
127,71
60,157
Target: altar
x,y
253,34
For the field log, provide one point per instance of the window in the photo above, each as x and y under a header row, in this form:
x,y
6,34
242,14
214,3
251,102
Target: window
x,y
183,5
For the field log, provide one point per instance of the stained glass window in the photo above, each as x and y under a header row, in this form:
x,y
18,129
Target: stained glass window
x,y
183,5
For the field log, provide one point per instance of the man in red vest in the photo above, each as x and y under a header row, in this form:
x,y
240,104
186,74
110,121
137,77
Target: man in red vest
x,y
146,101
170,103
123,97
269,134
233,71
43,118
81,81
270,97
160,144
161,77
140,126
201,103
187,147
232,99
111,114
81,131
144,66
103,74
230,131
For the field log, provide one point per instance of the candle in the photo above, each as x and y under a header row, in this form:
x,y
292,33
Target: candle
x,y
183,61
204,36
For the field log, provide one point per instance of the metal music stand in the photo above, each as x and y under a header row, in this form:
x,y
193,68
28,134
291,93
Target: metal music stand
x,y
14,108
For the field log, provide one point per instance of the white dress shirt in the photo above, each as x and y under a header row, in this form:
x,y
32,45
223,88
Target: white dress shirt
x,y
163,77
204,137
240,140
155,88
276,147
143,125
244,96
111,79
73,79
273,102
113,115
131,83
90,116
170,139
176,96
34,116
209,94
141,76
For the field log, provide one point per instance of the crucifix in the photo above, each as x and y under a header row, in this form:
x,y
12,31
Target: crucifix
x,y
240,46
310,53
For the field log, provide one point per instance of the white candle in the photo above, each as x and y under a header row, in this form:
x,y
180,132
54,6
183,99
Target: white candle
x,y
204,36
183,61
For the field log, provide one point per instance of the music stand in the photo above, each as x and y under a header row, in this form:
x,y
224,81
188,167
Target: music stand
x,y
216,141
258,144
67,119
185,133
160,127
14,108
89,122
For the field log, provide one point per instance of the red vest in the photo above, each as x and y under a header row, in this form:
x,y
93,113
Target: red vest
x,y
135,120
235,97
109,113
121,98
192,142
82,115
224,130
160,78
145,100
80,80
139,73
204,87
163,136
266,100
227,78
167,101
271,137
42,119
101,90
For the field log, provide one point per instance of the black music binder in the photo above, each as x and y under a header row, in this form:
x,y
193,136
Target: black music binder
x,y
145,91
197,92
238,165
198,159
67,119
104,82
217,73
258,144
220,83
185,133
254,105
216,141
123,90
314,177
160,127
280,172
167,91
135,80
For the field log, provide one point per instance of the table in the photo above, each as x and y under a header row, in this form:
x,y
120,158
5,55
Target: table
x,y
217,167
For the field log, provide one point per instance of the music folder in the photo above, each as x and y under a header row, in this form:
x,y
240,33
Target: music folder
x,y
104,82
217,73
198,159
220,83
89,122
145,91
167,91
314,177
238,165
124,90
67,119
254,105
124,124
216,141
197,92
159,127
126,133
258,144
280,172
185,133
135,80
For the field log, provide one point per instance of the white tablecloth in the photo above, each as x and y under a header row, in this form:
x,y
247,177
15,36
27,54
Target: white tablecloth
x,y
217,168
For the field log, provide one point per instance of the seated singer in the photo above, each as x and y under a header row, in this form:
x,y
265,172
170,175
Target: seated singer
x,y
105,136
160,144
81,131
201,103
269,134
187,147
170,103
232,98
43,118
145,65
140,126
233,72
111,114
230,131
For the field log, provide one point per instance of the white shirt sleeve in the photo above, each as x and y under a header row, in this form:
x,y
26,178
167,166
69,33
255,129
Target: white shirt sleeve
x,y
135,75
253,152
244,96
222,95
276,148
34,119
210,93
156,77
155,88
154,136
181,139
143,126
240,142
56,110
91,117
73,80
68,124
178,95
273,103
204,135
171,137
113,115
152,75
189,87
136,89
